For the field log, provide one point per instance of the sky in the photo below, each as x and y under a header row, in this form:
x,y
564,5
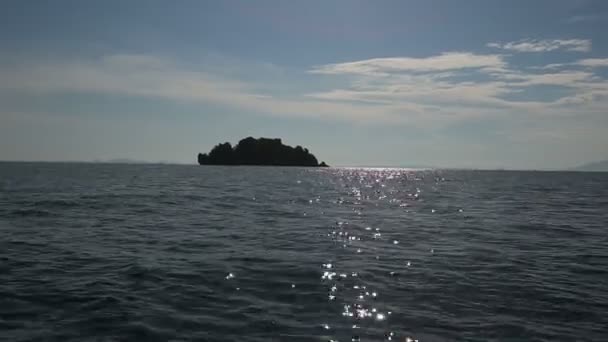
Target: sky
x,y
513,84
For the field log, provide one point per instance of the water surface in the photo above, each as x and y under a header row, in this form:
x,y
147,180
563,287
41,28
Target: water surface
x,y
165,252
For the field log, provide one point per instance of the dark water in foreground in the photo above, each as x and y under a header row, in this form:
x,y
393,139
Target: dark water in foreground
x,y
158,253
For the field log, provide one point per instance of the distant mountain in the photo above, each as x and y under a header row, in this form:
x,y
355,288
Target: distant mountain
x,y
121,161
595,166
262,151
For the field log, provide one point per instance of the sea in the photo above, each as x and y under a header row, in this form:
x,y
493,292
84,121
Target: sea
x,y
112,252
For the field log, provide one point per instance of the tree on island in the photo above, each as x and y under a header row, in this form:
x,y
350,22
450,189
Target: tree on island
x,y
262,151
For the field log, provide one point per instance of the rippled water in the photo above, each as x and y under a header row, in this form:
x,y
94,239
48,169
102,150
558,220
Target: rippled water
x,y
158,253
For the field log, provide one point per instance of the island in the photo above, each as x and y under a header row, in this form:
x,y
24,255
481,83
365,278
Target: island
x,y
262,151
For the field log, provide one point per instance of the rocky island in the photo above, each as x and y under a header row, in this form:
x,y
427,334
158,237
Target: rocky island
x,y
262,151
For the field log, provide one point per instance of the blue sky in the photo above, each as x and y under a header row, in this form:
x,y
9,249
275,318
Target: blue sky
x,y
491,84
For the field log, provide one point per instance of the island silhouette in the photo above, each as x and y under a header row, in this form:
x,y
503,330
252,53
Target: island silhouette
x,y
262,151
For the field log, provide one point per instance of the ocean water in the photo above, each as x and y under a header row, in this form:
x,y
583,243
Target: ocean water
x,y
178,253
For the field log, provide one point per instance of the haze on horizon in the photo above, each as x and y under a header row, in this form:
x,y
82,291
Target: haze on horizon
x,y
485,83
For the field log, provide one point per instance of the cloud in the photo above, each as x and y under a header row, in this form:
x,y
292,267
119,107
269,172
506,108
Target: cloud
x,y
488,89
587,63
533,45
581,18
564,78
434,90
384,66
149,76
138,75
593,62
552,66
426,93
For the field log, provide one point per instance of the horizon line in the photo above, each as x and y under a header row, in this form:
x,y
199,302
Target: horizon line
x,y
411,168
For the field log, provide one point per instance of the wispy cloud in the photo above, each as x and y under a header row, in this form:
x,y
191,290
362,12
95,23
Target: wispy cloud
x,y
432,90
149,76
564,78
534,45
593,62
581,18
551,66
588,63
384,66
139,75
476,89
